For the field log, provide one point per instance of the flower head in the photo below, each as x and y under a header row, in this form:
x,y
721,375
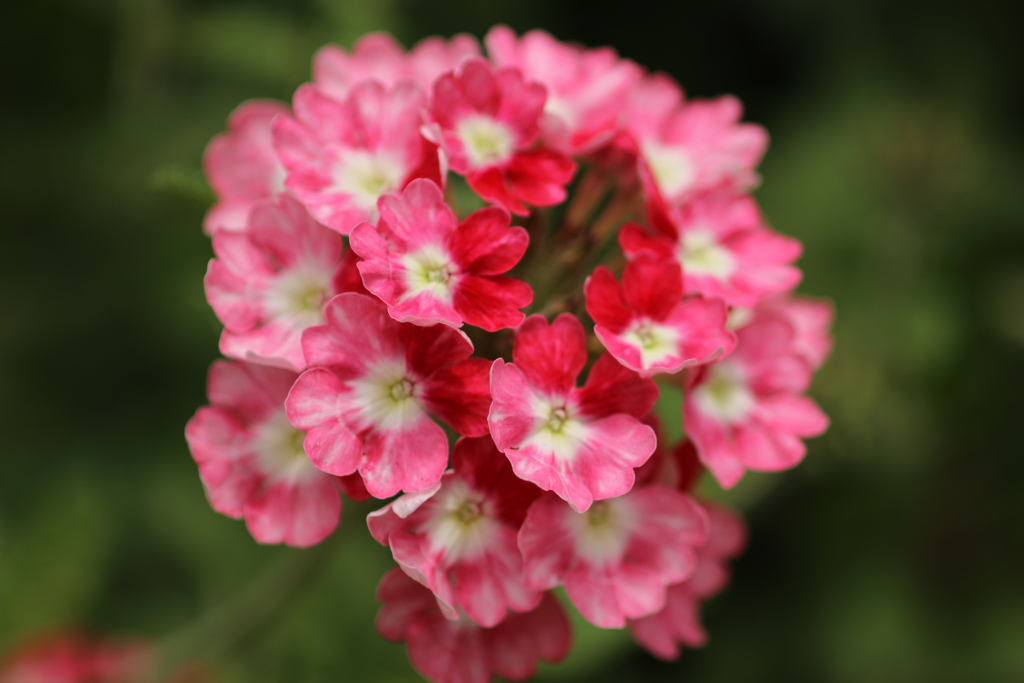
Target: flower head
x,y
486,121
430,268
241,165
647,325
252,462
459,538
371,388
270,282
341,156
461,651
580,442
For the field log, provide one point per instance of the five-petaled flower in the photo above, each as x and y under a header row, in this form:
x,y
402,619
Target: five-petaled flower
x,y
429,268
580,442
371,388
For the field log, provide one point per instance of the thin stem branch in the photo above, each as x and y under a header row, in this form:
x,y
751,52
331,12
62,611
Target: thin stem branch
x,y
232,621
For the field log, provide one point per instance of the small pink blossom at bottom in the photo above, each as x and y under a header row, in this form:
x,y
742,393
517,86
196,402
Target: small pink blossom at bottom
x,y
459,539
582,443
647,325
678,624
251,460
76,658
372,388
748,411
430,268
241,165
616,559
460,651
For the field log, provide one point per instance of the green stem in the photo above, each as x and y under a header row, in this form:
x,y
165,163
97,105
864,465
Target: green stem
x,y
232,621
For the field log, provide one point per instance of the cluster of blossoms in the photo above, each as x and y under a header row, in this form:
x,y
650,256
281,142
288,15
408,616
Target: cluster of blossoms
x,y
379,244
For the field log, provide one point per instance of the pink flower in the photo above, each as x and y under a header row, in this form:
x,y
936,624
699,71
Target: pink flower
x,y
725,249
811,320
370,392
616,559
747,412
379,57
647,325
76,658
251,460
678,623
697,146
428,268
446,651
486,121
587,89
459,538
341,156
581,443
241,165
270,282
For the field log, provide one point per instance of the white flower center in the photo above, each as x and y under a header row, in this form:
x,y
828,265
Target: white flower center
x,y
462,521
387,396
429,270
560,109
724,395
739,317
558,430
299,293
279,449
602,532
486,140
654,341
702,254
672,168
365,176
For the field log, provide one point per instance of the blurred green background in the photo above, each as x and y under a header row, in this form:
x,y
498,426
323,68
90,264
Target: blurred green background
x,y
895,553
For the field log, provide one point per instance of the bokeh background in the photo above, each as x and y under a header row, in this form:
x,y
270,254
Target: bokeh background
x,y
895,553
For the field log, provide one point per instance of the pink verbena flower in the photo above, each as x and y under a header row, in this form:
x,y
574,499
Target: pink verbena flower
x,y
724,248
379,57
76,658
429,268
617,558
697,146
582,443
241,165
446,651
251,460
587,89
459,538
370,392
270,282
343,155
678,624
747,412
647,325
811,320
486,121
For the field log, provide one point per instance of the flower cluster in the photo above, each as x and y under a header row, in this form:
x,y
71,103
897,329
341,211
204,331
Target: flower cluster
x,y
415,262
